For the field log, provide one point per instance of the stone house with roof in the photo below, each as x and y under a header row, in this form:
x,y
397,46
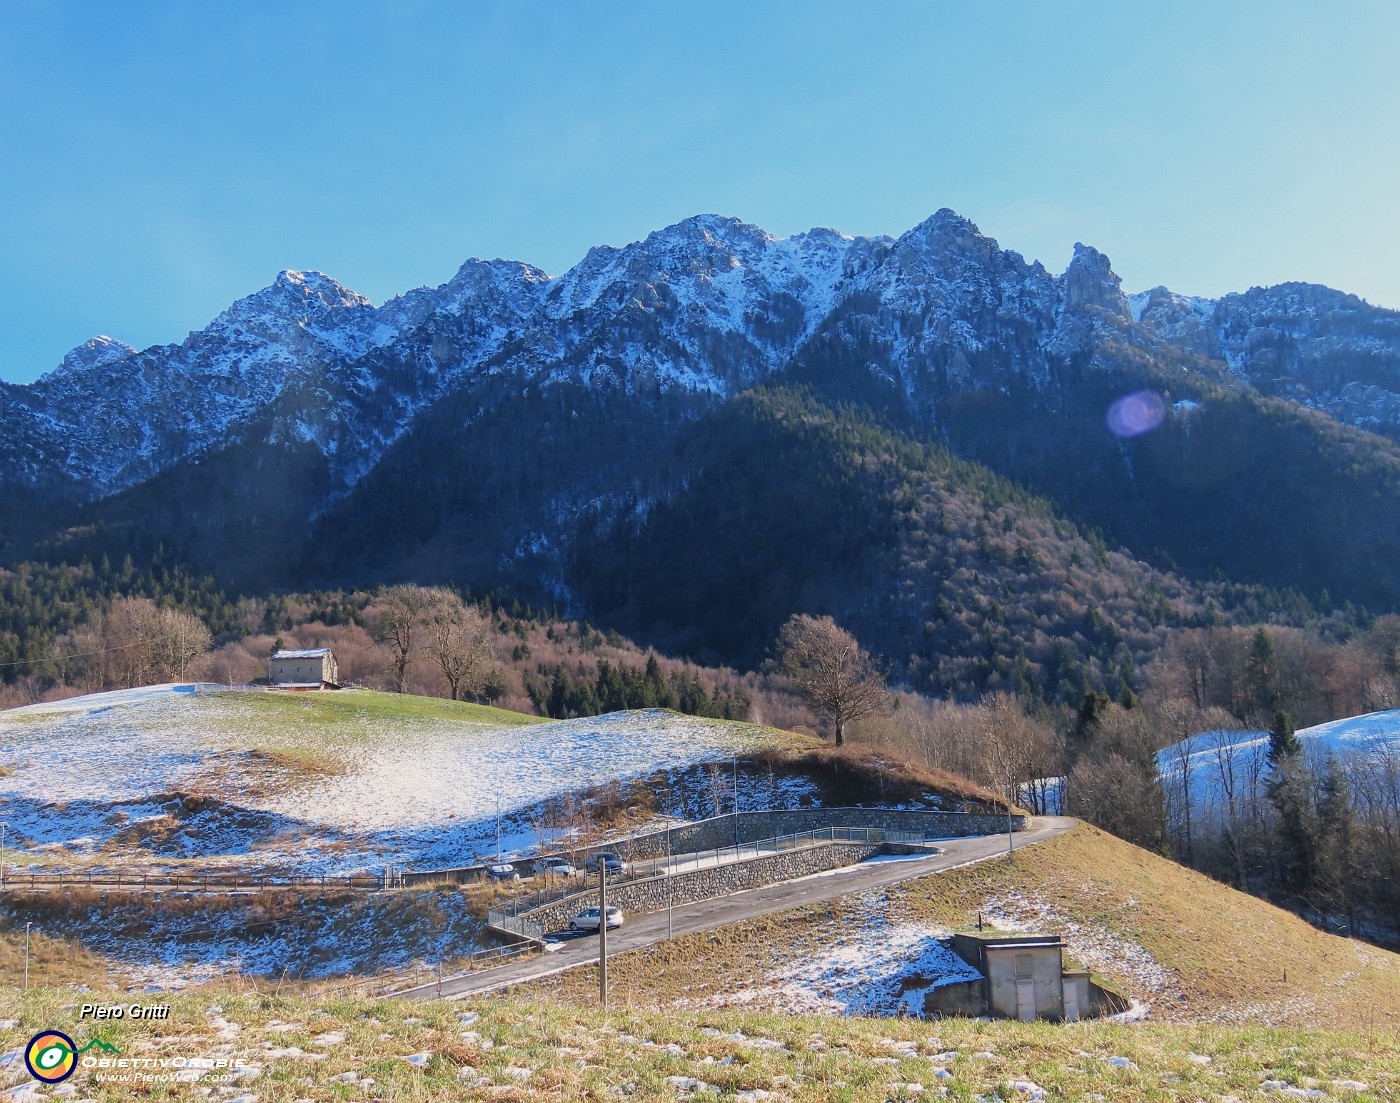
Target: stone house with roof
x,y
310,668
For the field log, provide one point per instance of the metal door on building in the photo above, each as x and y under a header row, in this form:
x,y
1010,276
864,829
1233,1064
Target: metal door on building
x,y
1025,988
1071,991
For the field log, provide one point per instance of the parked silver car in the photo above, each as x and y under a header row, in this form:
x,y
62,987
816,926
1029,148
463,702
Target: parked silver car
x,y
587,920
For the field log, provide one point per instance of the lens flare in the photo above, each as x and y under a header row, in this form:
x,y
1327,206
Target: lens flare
x,y
1136,413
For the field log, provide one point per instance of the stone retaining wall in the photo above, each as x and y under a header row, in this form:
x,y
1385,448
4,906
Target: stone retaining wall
x,y
651,894
720,831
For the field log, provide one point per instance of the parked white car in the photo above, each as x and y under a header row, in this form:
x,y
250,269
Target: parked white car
x,y
587,920
555,867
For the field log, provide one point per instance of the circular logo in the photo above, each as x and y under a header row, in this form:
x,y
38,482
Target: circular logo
x,y
50,1057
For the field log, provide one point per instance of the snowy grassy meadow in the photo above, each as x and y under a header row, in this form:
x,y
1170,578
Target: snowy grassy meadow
x,y
1215,770
299,1048
311,783
1225,768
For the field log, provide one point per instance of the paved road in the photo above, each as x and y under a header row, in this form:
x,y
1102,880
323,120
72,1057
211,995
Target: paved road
x,y
646,930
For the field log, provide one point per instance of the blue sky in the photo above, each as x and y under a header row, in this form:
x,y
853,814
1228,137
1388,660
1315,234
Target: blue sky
x,y
158,161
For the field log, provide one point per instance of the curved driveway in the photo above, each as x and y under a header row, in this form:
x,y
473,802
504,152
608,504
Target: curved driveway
x,y
720,911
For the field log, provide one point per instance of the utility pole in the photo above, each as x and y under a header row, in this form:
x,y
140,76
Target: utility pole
x,y
603,932
26,957
3,825
498,827
670,886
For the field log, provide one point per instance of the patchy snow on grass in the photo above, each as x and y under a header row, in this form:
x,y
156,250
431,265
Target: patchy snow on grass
x,y
172,944
878,968
346,782
1094,945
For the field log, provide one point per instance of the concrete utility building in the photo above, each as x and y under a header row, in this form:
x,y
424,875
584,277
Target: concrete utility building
x,y
1023,977
313,668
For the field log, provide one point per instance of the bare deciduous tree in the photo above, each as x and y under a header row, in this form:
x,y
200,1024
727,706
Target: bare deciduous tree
x,y
458,642
397,616
144,643
836,676
1114,793
183,638
1008,740
1186,726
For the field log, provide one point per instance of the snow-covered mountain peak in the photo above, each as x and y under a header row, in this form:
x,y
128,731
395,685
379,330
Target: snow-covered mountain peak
x,y
718,227
519,285
953,250
822,234
293,300
306,286
93,354
709,242
946,230
1159,301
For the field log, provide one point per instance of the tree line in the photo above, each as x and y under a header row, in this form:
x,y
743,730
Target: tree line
x,y
620,686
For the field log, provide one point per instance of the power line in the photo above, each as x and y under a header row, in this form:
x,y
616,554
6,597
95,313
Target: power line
x,y
78,655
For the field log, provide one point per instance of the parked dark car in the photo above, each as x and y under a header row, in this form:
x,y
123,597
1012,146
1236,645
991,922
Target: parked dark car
x,y
611,861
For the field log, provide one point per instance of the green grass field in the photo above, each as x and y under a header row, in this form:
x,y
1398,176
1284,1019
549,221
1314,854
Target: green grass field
x,y
311,734
338,1048
355,708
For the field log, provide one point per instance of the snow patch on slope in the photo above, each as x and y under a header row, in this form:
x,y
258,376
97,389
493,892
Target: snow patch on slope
x,y
882,967
1210,765
415,792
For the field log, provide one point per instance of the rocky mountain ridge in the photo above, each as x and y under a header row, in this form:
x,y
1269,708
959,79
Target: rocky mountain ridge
x,y
1327,349
705,307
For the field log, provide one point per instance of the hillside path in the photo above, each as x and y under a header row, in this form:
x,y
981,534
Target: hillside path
x,y
646,930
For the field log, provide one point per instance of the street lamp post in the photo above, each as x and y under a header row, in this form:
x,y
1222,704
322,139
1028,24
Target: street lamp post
x,y
26,957
670,886
3,825
736,807
1010,789
603,932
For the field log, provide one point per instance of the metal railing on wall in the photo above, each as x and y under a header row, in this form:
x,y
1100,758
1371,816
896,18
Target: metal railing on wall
x,y
939,823
16,881
512,917
655,868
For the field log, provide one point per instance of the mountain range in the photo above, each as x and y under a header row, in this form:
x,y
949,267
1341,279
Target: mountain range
x,y
714,410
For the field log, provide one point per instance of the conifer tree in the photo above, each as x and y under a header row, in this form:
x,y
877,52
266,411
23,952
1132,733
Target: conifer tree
x,y
1291,795
1261,674
1336,821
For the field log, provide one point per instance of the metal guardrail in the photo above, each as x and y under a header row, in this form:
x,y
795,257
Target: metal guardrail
x,y
217,883
197,882
429,973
